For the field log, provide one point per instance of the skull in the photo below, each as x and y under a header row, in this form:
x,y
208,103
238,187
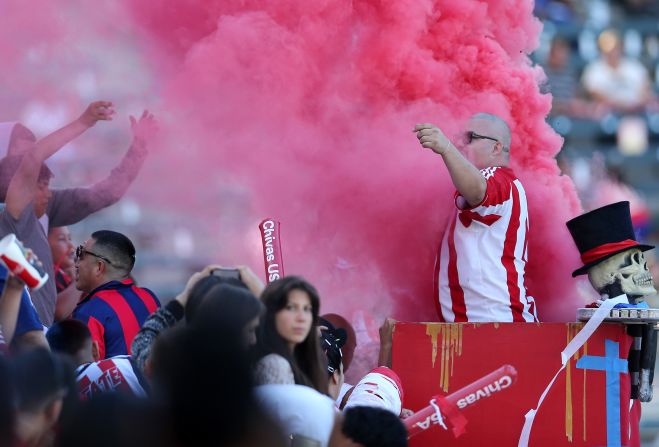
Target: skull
x,y
628,269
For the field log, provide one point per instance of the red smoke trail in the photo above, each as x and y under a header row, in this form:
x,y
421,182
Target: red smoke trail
x,y
310,104
303,110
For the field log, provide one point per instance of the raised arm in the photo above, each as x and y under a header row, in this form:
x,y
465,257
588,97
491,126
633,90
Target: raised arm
x,y
23,184
466,178
10,303
69,206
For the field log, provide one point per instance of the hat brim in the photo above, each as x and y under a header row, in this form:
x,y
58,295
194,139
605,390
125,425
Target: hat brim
x,y
583,270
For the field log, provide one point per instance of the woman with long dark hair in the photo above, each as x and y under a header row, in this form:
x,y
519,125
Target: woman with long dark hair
x,y
288,347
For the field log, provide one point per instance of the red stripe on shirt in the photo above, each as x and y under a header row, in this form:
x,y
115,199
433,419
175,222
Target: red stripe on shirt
x,y
146,298
126,316
438,305
508,258
457,294
98,334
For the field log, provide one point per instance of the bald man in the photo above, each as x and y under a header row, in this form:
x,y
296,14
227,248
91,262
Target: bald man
x,y
481,261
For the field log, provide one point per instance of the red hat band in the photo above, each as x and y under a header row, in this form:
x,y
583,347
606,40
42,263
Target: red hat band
x,y
597,253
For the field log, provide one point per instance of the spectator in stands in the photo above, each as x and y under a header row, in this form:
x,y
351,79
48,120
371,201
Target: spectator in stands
x,y
619,83
113,307
41,382
62,249
563,83
93,375
368,427
288,350
241,308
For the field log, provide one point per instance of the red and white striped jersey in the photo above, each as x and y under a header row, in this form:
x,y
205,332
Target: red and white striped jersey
x,y
480,266
117,373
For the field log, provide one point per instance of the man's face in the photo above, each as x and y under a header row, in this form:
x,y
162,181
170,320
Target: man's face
x,y
479,151
61,246
41,197
87,268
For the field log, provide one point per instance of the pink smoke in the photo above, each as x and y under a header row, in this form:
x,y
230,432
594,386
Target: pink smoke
x,y
303,110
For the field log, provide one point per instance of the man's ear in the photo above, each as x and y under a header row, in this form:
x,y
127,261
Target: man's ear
x,y
96,355
498,148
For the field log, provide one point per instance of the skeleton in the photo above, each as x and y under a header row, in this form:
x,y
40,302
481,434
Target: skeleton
x,y
627,272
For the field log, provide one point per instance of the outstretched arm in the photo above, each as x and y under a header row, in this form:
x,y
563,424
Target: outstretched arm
x,y
23,184
69,206
466,178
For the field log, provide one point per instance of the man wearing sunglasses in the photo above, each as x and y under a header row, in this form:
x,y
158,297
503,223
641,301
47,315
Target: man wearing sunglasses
x,y
483,253
113,307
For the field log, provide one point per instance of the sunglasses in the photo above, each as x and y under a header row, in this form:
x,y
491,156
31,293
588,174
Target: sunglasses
x,y
471,136
81,252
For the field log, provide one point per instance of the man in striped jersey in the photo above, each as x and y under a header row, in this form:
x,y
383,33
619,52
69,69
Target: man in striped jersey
x,y
480,265
113,307
95,376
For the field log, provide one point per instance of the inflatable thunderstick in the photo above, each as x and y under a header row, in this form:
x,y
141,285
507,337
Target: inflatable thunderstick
x,y
450,407
272,257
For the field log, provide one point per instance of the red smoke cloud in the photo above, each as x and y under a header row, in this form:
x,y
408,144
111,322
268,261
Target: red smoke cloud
x,y
303,111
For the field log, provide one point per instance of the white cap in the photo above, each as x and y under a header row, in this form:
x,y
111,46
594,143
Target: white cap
x,y
379,388
299,410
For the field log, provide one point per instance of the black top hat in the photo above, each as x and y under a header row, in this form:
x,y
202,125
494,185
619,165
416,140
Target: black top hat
x,y
602,233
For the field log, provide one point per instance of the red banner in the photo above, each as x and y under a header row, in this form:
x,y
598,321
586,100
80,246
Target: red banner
x,y
272,257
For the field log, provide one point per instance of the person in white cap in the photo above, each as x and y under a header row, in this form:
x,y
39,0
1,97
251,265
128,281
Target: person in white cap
x,y
26,178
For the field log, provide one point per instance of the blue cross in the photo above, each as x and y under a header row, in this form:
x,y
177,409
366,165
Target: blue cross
x,y
613,366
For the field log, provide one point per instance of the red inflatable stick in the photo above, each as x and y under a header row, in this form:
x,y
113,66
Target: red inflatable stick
x,y
451,405
272,257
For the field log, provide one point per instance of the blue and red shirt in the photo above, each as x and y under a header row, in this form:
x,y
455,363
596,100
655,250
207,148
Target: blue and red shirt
x,y
114,313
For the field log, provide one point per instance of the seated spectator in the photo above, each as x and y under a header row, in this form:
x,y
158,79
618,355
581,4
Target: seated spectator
x,y
113,307
95,376
368,427
62,249
41,382
242,305
288,349
619,83
563,84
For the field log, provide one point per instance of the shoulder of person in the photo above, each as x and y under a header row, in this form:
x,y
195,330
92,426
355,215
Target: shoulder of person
x,y
273,368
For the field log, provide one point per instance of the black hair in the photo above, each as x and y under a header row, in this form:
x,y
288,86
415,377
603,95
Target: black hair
x,y
227,306
117,247
374,427
200,291
188,359
68,336
39,378
331,344
306,362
